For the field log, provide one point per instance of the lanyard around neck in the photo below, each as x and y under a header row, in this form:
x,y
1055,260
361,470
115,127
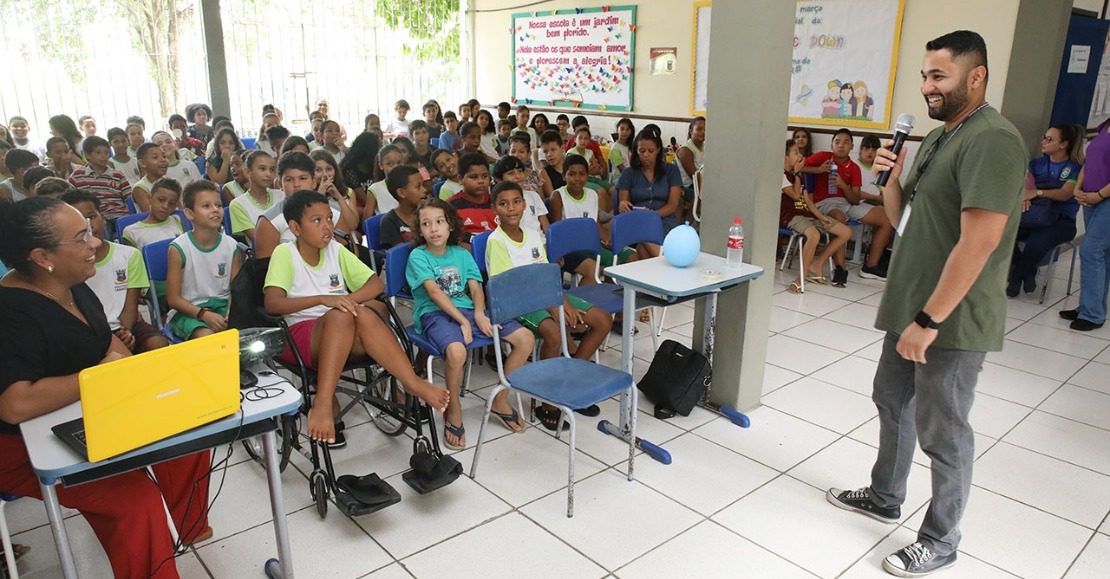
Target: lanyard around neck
x,y
937,145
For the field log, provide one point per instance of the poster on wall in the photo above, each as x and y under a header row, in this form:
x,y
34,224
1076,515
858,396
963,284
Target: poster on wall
x,y
845,56
699,73
581,57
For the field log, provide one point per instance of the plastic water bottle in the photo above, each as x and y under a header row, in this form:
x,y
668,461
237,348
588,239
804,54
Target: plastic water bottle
x,y
735,255
833,172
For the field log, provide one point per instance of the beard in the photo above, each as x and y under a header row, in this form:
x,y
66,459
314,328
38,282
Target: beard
x,y
950,104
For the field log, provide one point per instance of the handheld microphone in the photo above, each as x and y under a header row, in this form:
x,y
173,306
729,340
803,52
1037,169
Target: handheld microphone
x,y
902,130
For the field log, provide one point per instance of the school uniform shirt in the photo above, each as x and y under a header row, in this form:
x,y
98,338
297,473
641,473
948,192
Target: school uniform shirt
x,y
450,271
129,168
534,208
184,172
110,187
488,145
35,148
394,230
245,209
338,273
386,201
867,179
586,153
338,154
592,146
846,169
448,188
13,190
206,271
398,127
234,188
584,207
282,226
120,270
140,234
476,217
502,253
699,161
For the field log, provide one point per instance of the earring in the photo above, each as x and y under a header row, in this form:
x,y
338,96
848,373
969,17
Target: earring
x,y
49,269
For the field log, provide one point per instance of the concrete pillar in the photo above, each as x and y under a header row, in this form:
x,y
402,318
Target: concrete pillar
x,y
749,88
1039,36
213,29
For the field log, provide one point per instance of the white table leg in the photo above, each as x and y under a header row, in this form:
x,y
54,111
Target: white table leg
x,y
627,345
58,526
281,529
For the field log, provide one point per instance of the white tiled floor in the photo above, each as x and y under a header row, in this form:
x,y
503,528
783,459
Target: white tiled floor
x,y
735,502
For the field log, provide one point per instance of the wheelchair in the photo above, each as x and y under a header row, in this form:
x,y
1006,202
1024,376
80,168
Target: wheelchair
x,y
391,409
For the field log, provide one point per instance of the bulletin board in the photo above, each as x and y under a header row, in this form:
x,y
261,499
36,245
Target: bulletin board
x,y
580,57
699,73
845,59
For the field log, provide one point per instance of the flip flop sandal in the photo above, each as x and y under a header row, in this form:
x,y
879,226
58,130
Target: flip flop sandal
x,y
458,432
795,288
550,418
20,550
507,418
817,279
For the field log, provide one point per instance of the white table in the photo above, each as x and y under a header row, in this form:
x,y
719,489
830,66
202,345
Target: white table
x,y
706,277
54,462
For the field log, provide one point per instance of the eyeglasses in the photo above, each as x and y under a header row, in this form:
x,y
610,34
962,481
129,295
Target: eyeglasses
x,y
85,238
1046,139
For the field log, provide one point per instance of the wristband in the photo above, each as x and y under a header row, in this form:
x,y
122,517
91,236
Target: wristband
x,y
201,312
925,321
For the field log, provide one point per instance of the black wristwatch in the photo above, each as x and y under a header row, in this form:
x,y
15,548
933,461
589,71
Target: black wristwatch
x,y
925,321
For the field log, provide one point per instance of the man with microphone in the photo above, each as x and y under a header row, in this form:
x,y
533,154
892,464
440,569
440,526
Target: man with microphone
x,y
957,211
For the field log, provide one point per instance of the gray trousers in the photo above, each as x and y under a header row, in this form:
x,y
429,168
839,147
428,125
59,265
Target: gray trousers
x,y
931,402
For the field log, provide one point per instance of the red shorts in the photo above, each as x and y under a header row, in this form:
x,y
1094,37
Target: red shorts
x,y
301,333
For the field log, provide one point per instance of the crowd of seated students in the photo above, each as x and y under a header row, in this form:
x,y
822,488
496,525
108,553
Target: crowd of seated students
x,y
299,202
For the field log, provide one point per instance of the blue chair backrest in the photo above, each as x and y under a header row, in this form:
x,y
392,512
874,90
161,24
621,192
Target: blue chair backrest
x,y
396,261
434,142
126,220
571,235
372,230
156,256
524,289
227,221
131,205
640,226
202,166
478,250
249,142
809,180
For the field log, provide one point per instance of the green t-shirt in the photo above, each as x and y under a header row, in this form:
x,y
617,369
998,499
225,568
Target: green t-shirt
x,y
982,165
451,272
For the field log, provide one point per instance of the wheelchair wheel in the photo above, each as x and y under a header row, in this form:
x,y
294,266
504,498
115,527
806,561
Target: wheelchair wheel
x,y
387,388
286,432
318,486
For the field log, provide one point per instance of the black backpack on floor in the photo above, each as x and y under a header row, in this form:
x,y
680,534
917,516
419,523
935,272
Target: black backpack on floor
x,y
676,379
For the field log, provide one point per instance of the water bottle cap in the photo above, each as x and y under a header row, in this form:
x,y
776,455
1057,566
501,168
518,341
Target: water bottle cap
x,y
737,220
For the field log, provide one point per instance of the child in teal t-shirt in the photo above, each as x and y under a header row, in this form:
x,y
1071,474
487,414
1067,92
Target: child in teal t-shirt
x,y
449,304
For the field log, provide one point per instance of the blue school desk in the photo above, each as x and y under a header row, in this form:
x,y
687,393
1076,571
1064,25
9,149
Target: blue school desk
x,y
708,276
53,462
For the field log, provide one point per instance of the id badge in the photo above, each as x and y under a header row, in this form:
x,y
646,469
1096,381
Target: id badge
x,y
905,219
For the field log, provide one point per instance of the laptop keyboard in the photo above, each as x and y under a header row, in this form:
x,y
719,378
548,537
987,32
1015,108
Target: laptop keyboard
x,y
80,435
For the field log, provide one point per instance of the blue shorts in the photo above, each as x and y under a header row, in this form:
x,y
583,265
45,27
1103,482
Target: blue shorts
x,y
442,330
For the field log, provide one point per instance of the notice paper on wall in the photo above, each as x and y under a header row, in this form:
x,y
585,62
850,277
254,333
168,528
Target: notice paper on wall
x,y
581,57
1079,60
845,55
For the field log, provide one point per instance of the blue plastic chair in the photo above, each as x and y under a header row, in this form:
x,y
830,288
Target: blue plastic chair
x,y
478,250
156,257
372,233
580,234
434,142
126,220
202,166
6,536
131,205
396,286
249,142
564,382
227,221
631,228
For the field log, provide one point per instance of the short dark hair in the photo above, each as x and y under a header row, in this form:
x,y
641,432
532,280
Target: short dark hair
x,y
166,183
573,160
116,132
91,143
870,142
136,120
506,164
16,159
469,160
36,175
506,186
277,132
503,106
450,115
299,201
551,136
74,196
51,186
562,117
417,125
399,178
294,160
522,138
191,112
256,154
189,195
583,128
843,131
506,123
402,103
144,149
578,121
467,127
54,141
26,226
175,118
962,43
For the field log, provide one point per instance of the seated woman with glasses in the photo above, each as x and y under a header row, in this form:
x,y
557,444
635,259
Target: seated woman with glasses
x,y
52,326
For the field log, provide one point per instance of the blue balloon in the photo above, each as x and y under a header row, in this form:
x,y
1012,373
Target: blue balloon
x,y
682,246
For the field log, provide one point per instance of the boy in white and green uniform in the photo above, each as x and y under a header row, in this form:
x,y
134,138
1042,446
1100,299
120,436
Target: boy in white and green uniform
x,y
245,210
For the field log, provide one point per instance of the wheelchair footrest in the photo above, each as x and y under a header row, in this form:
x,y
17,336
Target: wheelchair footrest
x,y
429,473
362,495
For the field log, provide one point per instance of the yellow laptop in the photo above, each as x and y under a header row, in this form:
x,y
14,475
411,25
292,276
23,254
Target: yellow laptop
x,y
142,399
